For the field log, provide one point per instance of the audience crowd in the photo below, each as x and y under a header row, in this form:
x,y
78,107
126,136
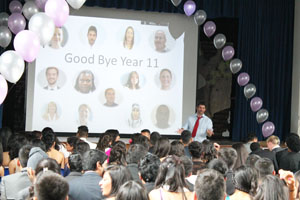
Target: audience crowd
x,y
38,166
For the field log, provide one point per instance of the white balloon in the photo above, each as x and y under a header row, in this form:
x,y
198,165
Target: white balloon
x,y
43,26
76,4
29,9
11,66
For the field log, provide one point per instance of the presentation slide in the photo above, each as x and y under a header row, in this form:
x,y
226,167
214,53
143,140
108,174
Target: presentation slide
x,y
109,73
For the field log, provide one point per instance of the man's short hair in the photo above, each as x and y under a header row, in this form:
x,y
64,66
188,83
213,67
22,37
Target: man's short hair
x,y
135,153
81,147
148,167
210,185
24,155
251,160
186,136
90,159
177,148
228,155
92,28
75,162
145,130
52,67
218,165
251,137
72,141
195,149
83,131
254,146
187,164
264,166
293,143
273,139
50,185
200,103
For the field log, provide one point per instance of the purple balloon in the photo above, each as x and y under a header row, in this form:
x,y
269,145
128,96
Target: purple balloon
x,y
58,10
243,79
256,104
268,129
15,7
16,22
227,53
41,4
209,28
189,7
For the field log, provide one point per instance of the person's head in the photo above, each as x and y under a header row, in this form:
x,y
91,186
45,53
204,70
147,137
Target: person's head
x,y
47,163
84,112
92,35
56,38
264,167
129,38
5,133
24,155
81,147
245,180
52,75
255,146
135,153
105,141
177,148
195,149
148,167
93,160
272,142
71,142
133,80
210,185
171,173
51,108
272,187
200,108
75,162
146,133
118,155
82,131
154,137
165,78
49,186
49,140
15,143
186,137
187,164
160,41
228,155
208,151
293,143
114,134
114,177
132,190
142,140
218,165
110,96
251,137
162,116
85,82
251,160
242,154
162,147
135,112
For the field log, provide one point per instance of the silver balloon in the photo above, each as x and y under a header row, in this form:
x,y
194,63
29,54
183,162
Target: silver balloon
x,y
3,19
200,17
43,26
76,4
29,9
262,115
176,2
219,40
236,65
249,90
11,66
5,36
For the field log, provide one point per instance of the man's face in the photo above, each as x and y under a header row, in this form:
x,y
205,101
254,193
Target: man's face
x,y
165,79
110,96
51,76
83,112
162,114
85,83
160,41
92,36
201,109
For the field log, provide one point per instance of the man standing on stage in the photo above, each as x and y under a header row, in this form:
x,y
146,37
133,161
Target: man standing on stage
x,y
199,124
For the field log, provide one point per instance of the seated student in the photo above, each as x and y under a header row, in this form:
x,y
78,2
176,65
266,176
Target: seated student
x,y
196,148
81,147
75,163
186,138
15,143
218,165
210,185
5,133
188,171
71,143
148,170
264,167
177,148
146,132
153,139
83,133
132,190
118,155
162,148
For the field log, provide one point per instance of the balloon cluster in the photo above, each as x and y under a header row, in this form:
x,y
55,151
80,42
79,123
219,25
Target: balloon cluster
x,y
43,17
228,53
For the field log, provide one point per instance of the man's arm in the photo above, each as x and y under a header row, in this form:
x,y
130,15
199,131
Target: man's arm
x,y
209,130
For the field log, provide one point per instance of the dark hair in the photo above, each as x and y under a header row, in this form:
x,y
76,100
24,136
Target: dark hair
x,y
228,155
162,147
114,133
38,143
242,154
195,149
51,186
33,135
72,141
251,137
75,162
148,167
218,165
208,151
15,143
135,153
83,131
245,179
145,130
90,159
154,137
271,188
118,155
171,172
251,160
187,164
293,143
142,140
48,139
119,175
264,166
24,155
129,84
210,185
254,146
105,141
186,136
5,133
85,72
177,148
81,147
48,163
132,190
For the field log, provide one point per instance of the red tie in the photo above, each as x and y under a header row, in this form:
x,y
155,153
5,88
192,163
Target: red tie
x,y
196,127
